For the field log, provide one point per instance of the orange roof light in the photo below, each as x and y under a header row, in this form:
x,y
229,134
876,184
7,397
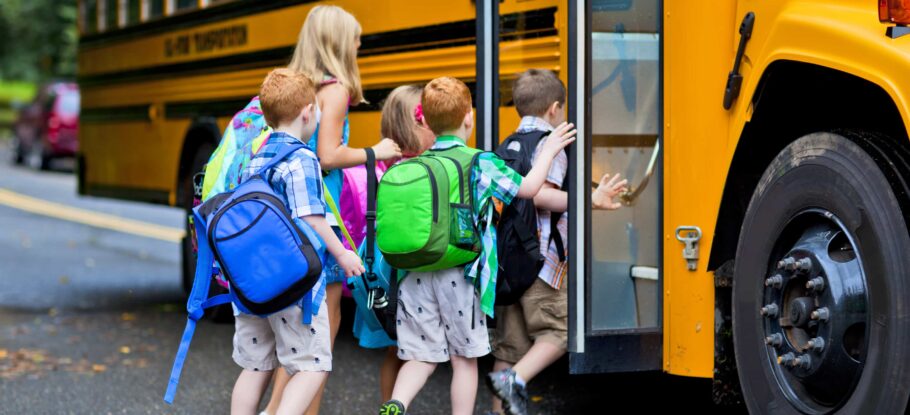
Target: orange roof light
x,y
894,11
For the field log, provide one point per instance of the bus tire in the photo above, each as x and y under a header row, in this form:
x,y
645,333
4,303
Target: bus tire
x,y
824,208
223,313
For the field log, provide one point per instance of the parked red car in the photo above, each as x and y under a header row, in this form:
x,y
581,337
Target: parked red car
x,y
48,127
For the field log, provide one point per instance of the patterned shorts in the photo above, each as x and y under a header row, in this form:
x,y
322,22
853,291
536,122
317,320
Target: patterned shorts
x,y
262,343
438,316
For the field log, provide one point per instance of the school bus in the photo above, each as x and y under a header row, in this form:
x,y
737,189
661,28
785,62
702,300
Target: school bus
x,y
764,239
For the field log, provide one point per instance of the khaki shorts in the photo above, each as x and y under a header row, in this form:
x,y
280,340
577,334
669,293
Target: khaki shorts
x,y
262,343
540,315
438,316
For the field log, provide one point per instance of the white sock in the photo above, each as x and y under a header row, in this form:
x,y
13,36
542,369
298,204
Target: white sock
x,y
521,382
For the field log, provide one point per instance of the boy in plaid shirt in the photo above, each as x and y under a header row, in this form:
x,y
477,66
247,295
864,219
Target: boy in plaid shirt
x,y
533,333
262,344
437,310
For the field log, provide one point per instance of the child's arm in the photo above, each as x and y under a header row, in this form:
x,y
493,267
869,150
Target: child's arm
x,y
332,154
555,200
551,198
347,260
561,137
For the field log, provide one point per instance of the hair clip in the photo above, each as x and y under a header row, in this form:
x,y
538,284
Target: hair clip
x,y
418,113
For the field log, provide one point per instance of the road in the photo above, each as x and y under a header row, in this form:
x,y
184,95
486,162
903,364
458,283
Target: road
x,y
90,318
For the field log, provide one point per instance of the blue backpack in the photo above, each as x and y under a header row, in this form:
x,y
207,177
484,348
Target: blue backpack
x,y
270,260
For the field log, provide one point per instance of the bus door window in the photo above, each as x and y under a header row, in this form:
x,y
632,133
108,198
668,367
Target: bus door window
x,y
625,66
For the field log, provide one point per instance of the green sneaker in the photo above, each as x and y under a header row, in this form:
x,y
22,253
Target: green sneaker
x,y
392,407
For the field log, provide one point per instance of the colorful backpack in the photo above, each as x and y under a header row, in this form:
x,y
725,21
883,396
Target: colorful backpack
x,y
353,203
270,261
425,214
242,139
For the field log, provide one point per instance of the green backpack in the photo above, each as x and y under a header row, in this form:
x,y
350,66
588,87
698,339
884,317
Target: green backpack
x,y
424,211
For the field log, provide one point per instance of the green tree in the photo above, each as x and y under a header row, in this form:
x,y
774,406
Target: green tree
x,y
38,39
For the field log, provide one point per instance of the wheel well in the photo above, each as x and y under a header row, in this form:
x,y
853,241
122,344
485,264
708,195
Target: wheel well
x,y
203,130
794,99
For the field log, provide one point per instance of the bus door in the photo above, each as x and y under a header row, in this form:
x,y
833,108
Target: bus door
x,y
615,277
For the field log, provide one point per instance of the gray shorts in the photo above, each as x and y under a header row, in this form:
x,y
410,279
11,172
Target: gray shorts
x,y
438,316
262,343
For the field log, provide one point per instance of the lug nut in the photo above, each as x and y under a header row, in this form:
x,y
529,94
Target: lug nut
x,y
792,264
774,340
786,263
786,360
817,344
821,314
770,310
803,361
776,281
816,284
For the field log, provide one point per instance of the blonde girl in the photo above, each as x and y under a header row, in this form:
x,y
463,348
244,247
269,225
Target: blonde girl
x,y
327,53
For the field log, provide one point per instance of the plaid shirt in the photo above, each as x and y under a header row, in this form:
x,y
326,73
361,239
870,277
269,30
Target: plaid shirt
x,y
492,178
298,178
553,272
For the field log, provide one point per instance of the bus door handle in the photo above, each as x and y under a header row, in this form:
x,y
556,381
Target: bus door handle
x,y
689,235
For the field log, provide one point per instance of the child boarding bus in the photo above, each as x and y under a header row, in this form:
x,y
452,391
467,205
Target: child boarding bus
x,y
764,240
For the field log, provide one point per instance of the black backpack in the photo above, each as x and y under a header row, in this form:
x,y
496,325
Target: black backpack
x,y
518,242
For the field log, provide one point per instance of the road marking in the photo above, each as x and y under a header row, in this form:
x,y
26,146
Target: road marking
x,y
87,217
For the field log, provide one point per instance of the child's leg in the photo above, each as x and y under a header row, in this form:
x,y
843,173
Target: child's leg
x,y
464,385
510,342
388,372
333,301
254,351
541,355
466,335
411,378
421,335
300,391
248,391
279,381
547,324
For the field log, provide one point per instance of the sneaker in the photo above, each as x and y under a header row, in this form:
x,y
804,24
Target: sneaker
x,y
514,396
392,407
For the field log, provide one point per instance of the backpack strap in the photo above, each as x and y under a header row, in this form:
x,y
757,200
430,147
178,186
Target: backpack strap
x,y
329,200
371,212
196,304
285,151
555,236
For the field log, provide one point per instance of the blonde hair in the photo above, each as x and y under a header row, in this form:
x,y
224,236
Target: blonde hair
x,y
399,120
284,93
327,47
445,101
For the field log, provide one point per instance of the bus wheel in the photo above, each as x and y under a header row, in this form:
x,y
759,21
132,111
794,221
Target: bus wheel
x,y
820,317
224,313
